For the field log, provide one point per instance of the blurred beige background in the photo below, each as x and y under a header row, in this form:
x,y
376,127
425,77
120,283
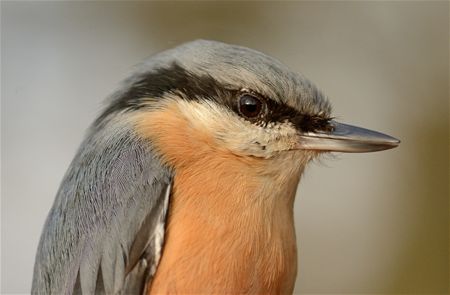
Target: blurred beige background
x,y
366,223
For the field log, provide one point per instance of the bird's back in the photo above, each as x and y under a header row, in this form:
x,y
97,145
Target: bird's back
x,y
104,217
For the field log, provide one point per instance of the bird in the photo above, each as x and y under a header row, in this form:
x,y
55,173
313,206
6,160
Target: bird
x,y
185,182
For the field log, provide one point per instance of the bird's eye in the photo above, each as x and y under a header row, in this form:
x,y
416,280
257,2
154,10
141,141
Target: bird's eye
x,y
250,106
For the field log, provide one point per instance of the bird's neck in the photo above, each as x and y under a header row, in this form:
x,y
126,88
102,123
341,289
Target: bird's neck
x,y
229,231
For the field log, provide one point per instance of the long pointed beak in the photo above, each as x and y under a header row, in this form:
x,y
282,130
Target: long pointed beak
x,y
347,138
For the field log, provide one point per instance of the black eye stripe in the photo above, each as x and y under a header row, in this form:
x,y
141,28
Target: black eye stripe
x,y
177,80
279,113
310,123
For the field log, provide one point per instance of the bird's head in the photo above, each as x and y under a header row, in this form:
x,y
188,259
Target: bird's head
x,y
210,98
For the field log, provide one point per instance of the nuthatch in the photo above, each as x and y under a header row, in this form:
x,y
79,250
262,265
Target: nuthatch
x,y
186,182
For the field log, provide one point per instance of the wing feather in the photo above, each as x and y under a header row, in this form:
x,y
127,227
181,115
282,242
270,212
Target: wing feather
x,y
105,230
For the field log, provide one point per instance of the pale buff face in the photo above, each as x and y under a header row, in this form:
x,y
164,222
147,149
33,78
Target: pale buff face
x,y
236,134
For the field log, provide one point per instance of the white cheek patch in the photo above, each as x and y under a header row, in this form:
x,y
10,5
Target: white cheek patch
x,y
235,133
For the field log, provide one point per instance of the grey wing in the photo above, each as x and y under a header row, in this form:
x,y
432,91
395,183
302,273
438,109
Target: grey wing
x,y
146,250
105,231
118,269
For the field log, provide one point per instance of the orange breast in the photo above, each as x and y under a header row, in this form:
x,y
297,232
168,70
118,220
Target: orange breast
x,y
230,228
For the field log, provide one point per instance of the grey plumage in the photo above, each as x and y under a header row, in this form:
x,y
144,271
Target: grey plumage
x,y
103,221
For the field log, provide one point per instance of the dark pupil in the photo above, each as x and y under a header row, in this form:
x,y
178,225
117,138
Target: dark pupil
x,y
250,106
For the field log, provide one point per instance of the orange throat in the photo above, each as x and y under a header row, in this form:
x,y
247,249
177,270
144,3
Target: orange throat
x,y
221,239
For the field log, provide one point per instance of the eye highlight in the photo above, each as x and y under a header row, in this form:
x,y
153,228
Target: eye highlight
x,y
251,106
